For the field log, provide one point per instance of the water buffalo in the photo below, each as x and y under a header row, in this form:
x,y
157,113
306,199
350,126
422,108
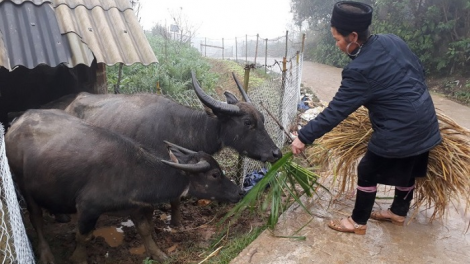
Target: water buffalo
x,y
150,119
60,103
63,165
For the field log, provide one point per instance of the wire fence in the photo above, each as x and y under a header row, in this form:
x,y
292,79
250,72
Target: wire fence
x,y
281,58
251,48
277,98
14,243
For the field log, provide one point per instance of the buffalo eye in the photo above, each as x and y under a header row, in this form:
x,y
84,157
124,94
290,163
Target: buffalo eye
x,y
216,175
247,122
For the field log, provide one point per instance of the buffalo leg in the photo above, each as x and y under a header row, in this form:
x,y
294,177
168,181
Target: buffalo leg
x,y
35,216
142,222
86,224
176,218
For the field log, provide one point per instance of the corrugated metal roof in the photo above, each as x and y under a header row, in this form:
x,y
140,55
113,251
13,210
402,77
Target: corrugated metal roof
x,y
89,4
107,29
113,36
19,2
121,5
42,44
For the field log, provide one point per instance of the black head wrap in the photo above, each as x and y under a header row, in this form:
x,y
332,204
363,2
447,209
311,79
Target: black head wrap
x,y
348,21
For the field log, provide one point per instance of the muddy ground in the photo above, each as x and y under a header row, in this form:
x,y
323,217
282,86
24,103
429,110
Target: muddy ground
x,y
116,240
420,241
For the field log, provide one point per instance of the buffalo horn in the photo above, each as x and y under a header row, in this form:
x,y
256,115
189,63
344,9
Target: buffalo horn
x,y
185,150
198,167
210,102
242,90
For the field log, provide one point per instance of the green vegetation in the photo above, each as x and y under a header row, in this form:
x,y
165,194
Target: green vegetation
x,y
438,31
172,73
286,182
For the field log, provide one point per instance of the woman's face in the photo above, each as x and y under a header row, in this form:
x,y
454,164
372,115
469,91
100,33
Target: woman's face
x,y
342,42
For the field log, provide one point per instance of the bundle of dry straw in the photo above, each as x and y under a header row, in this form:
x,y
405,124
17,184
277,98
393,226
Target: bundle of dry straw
x,y
448,178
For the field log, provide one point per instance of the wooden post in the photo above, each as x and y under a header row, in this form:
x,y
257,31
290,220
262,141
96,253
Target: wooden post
x,y
303,43
256,50
266,57
236,50
118,84
246,49
100,86
287,41
205,47
246,78
284,73
159,89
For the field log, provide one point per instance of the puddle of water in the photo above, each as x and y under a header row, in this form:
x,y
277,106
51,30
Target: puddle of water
x,y
111,235
137,250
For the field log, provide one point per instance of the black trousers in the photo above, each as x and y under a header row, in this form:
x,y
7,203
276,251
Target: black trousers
x,y
365,202
371,171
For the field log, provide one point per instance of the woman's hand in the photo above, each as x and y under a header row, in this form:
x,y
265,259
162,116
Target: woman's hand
x,y
297,146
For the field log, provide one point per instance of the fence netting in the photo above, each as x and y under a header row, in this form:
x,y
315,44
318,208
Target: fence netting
x,y
14,243
281,58
277,98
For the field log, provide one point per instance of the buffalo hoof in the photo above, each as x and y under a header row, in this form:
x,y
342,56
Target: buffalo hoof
x,y
159,256
62,218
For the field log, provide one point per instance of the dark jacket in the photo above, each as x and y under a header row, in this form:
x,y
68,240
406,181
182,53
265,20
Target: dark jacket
x,y
388,79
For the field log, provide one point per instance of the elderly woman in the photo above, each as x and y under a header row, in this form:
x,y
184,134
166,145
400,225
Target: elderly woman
x,y
388,79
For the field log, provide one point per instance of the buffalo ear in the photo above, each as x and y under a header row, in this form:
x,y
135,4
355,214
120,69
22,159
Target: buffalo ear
x,y
231,98
209,111
172,156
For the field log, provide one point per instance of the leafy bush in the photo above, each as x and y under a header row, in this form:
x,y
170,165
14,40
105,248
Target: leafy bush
x,y
172,73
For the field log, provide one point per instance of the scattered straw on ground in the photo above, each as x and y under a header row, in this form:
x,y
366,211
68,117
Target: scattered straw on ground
x,y
448,178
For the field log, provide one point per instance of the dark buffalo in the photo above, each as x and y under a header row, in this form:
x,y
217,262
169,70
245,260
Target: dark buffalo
x,y
150,119
60,103
66,166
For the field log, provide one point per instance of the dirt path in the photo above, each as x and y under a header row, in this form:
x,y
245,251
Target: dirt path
x,y
325,80
419,241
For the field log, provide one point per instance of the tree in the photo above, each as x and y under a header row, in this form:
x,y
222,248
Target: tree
x,y
186,30
438,31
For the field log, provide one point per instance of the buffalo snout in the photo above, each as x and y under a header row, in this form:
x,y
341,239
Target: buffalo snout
x,y
273,156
